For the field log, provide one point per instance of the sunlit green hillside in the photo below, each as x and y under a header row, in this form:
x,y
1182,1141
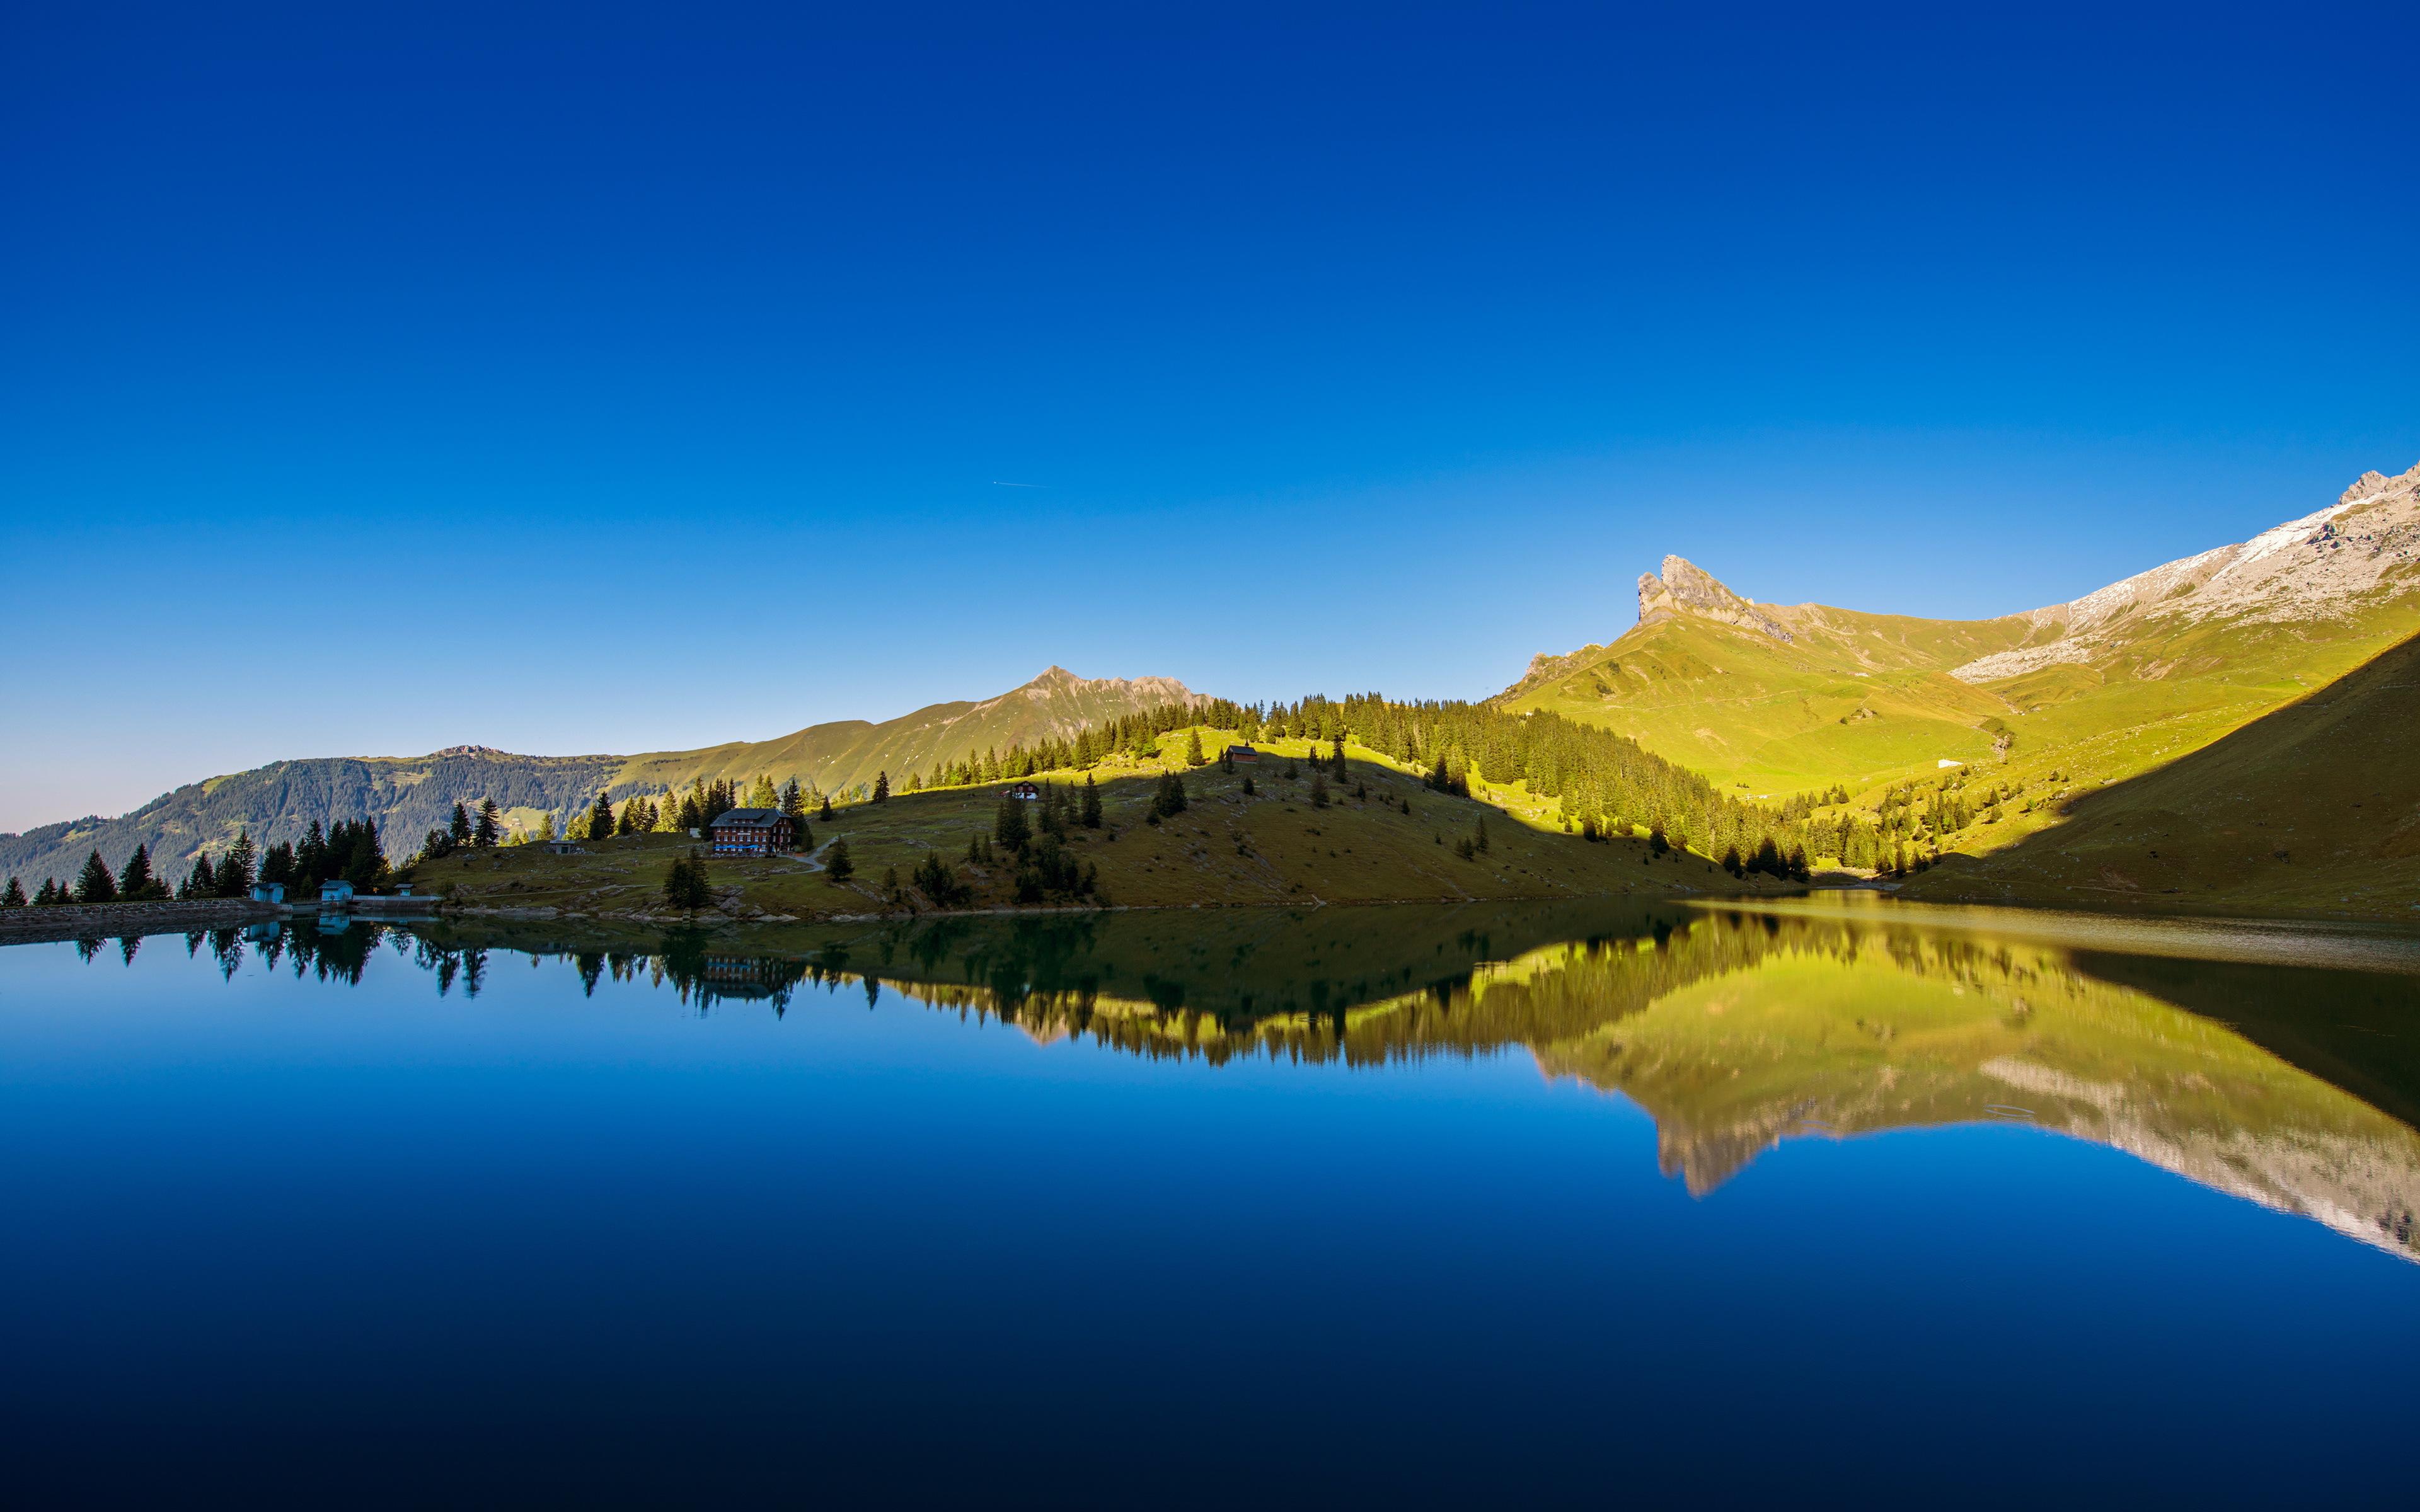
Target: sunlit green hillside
x,y
2014,717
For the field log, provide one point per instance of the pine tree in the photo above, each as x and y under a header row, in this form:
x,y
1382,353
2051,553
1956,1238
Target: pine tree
x,y
490,827
14,896
686,885
794,804
600,819
824,813
763,794
1009,828
882,787
1657,842
457,829
365,863
234,867
201,882
1091,809
47,894
94,884
311,857
1193,756
1339,758
134,882
837,866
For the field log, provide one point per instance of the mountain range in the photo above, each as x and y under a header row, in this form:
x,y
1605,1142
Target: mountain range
x,y
409,795
1782,698
2075,748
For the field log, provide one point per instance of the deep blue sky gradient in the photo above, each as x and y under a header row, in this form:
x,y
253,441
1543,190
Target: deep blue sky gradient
x,y
1375,351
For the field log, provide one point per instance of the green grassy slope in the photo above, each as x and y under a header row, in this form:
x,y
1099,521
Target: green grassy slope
x,y
1749,711
1227,848
1863,709
2313,808
1781,700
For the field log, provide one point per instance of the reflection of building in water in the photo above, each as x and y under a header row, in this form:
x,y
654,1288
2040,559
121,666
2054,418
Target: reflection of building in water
x,y
743,977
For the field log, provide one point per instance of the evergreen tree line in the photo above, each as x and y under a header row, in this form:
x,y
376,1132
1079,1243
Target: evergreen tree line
x,y
465,831
1134,734
351,851
1605,783
674,813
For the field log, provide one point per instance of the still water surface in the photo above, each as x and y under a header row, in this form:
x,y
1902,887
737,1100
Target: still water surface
x,y
1564,1203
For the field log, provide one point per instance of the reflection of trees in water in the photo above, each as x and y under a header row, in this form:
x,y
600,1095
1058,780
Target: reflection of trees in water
x,y
1735,1030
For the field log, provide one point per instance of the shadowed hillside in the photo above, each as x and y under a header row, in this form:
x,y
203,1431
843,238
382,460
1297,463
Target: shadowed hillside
x,y
2314,807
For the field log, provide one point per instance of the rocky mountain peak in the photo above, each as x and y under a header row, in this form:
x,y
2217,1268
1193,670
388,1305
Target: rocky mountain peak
x,y
1057,681
1685,588
2366,543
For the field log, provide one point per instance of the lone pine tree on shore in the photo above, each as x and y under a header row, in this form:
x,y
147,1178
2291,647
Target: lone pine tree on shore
x,y
686,885
94,884
135,880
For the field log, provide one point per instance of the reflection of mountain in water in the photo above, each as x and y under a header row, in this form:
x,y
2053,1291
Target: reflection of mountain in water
x,y
1840,1030
1735,1031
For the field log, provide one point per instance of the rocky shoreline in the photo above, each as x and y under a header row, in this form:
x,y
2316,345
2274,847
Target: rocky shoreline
x,y
78,921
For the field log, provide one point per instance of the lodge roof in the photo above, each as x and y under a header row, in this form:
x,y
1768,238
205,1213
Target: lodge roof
x,y
747,818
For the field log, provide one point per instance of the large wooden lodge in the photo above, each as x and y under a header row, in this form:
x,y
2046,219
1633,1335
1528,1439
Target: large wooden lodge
x,y
753,832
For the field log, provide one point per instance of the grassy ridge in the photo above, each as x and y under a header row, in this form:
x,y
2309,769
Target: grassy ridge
x,y
1228,847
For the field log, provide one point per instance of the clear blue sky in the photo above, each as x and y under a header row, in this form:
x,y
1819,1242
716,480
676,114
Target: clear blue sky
x,y
373,381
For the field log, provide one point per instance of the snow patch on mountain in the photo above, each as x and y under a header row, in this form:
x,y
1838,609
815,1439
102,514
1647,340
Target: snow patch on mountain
x,y
2366,542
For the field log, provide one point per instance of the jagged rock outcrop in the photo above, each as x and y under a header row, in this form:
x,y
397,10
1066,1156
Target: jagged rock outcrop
x,y
1685,588
2366,542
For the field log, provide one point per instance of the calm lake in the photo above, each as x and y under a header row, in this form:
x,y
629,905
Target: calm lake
x,y
1506,1204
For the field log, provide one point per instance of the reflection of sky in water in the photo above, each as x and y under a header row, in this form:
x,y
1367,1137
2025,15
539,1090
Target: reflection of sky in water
x,y
584,1240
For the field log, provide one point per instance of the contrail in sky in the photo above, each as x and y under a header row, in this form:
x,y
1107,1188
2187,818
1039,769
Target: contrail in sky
x,y
997,484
